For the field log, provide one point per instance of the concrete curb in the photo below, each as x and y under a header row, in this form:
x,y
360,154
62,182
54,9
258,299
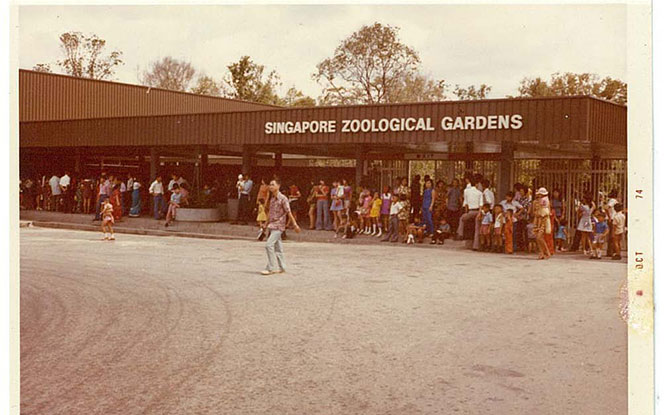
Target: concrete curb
x,y
134,231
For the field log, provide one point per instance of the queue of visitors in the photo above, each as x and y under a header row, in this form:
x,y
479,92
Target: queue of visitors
x,y
522,221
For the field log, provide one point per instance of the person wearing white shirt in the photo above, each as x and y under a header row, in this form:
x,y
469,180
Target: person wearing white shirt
x,y
472,202
609,209
488,195
396,206
511,203
172,182
244,206
129,191
66,192
156,191
54,183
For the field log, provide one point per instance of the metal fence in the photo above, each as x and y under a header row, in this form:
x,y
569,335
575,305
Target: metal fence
x,y
574,178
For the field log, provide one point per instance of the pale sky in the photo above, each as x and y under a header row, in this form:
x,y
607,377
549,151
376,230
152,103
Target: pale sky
x,y
472,44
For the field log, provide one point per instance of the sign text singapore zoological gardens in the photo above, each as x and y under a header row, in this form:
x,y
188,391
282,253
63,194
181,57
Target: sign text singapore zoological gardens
x,y
365,125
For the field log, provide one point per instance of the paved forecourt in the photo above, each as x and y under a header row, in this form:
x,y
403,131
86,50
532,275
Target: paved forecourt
x,y
166,325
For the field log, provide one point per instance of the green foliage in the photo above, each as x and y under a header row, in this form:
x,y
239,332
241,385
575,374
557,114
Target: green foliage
x,y
168,73
471,92
205,85
416,87
295,98
42,67
568,83
85,57
370,66
249,81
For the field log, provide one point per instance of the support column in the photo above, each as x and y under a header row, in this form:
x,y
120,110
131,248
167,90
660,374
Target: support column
x,y
359,165
247,159
279,161
203,162
77,162
469,149
504,182
154,164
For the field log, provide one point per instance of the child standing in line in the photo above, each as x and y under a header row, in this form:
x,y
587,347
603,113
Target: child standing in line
x,y
532,238
619,227
508,230
386,208
107,220
375,213
498,228
485,227
403,216
392,232
600,234
561,235
365,213
261,218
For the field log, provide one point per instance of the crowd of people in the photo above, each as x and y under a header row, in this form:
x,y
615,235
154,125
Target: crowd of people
x,y
524,220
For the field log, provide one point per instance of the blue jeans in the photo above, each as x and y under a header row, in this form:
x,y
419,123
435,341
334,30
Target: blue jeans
x,y
275,251
159,206
427,217
137,203
323,215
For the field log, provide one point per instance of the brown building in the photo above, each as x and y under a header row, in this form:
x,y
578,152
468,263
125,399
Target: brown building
x,y
575,143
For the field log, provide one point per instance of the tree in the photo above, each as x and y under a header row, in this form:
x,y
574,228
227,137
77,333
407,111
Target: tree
x,y
249,81
419,88
42,67
206,86
169,73
85,57
569,84
471,92
295,98
368,67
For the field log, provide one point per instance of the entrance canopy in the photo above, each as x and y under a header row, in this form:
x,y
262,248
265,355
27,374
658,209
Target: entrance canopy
x,y
569,126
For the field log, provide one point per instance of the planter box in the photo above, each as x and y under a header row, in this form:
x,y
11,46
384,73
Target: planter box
x,y
223,210
198,215
232,208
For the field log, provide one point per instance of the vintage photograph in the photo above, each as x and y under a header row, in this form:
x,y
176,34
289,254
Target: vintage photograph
x,y
330,209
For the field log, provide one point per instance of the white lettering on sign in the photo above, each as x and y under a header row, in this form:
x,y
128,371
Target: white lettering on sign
x,y
480,122
366,125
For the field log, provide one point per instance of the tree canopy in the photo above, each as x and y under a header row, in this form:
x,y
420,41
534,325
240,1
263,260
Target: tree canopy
x,y
568,84
369,67
84,56
168,73
250,81
205,85
471,92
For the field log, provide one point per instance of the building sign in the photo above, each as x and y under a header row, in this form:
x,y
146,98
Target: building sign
x,y
383,125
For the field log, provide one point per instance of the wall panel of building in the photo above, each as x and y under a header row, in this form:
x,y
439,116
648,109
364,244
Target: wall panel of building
x,y
48,97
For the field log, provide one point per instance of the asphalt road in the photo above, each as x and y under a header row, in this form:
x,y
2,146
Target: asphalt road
x,y
165,325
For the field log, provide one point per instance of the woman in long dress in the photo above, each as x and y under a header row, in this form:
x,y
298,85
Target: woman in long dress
x,y
136,205
542,221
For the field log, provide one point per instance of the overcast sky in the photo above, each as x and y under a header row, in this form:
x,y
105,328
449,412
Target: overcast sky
x,y
496,45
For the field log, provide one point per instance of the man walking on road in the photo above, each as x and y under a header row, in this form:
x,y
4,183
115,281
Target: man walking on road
x,y
278,209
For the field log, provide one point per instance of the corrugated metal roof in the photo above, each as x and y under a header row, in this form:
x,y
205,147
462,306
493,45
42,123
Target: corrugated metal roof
x,y
546,122
50,97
